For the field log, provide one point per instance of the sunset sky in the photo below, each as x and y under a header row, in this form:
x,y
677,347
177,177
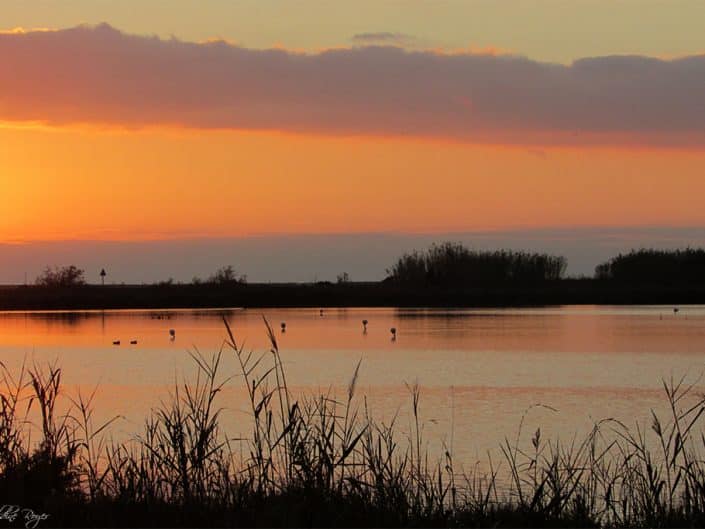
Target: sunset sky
x,y
168,138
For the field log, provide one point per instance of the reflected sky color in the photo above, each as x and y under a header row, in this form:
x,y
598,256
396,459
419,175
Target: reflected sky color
x,y
478,369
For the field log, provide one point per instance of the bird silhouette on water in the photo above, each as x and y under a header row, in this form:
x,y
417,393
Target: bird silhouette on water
x,y
393,330
364,326
283,325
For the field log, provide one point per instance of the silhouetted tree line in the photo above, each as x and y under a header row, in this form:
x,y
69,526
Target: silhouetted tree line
x,y
453,264
655,266
449,264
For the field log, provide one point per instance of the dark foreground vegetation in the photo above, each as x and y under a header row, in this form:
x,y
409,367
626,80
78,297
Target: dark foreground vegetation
x,y
445,275
318,460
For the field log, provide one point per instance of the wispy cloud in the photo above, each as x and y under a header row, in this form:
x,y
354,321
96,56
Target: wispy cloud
x,y
385,38
99,75
21,31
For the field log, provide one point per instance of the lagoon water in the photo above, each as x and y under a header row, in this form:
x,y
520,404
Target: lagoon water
x,y
480,371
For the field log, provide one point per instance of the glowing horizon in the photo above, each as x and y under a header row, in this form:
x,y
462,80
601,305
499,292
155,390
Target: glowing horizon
x,y
112,135
62,185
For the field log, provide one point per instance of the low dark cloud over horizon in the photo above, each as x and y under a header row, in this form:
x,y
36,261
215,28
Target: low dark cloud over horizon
x,y
304,258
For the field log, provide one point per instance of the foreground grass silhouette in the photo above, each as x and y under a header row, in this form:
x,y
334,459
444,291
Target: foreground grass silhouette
x,y
318,461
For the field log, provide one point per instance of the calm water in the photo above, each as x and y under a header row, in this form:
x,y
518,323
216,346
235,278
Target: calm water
x,y
479,370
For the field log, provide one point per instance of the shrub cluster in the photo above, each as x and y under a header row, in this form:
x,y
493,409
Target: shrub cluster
x,y
655,266
65,276
453,264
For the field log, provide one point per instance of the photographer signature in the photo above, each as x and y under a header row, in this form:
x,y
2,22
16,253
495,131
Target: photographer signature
x,y
31,519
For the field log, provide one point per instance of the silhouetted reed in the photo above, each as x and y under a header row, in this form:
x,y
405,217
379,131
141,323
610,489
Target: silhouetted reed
x,y
317,460
650,266
453,264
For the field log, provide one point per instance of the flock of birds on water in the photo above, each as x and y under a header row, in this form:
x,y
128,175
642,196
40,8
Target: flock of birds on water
x,y
172,337
392,331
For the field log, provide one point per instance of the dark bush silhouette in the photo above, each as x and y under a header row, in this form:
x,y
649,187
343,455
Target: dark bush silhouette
x,y
226,275
453,264
65,276
655,266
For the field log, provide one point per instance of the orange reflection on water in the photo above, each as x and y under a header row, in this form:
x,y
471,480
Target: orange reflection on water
x,y
478,370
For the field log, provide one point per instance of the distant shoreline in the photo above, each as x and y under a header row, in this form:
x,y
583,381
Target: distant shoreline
x,y
354,294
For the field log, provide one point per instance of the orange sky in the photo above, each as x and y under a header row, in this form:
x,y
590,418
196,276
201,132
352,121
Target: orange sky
x,y
149,138
109,184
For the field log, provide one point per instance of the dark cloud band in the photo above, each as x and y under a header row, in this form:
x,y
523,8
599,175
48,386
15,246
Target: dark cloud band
x,y
100,75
